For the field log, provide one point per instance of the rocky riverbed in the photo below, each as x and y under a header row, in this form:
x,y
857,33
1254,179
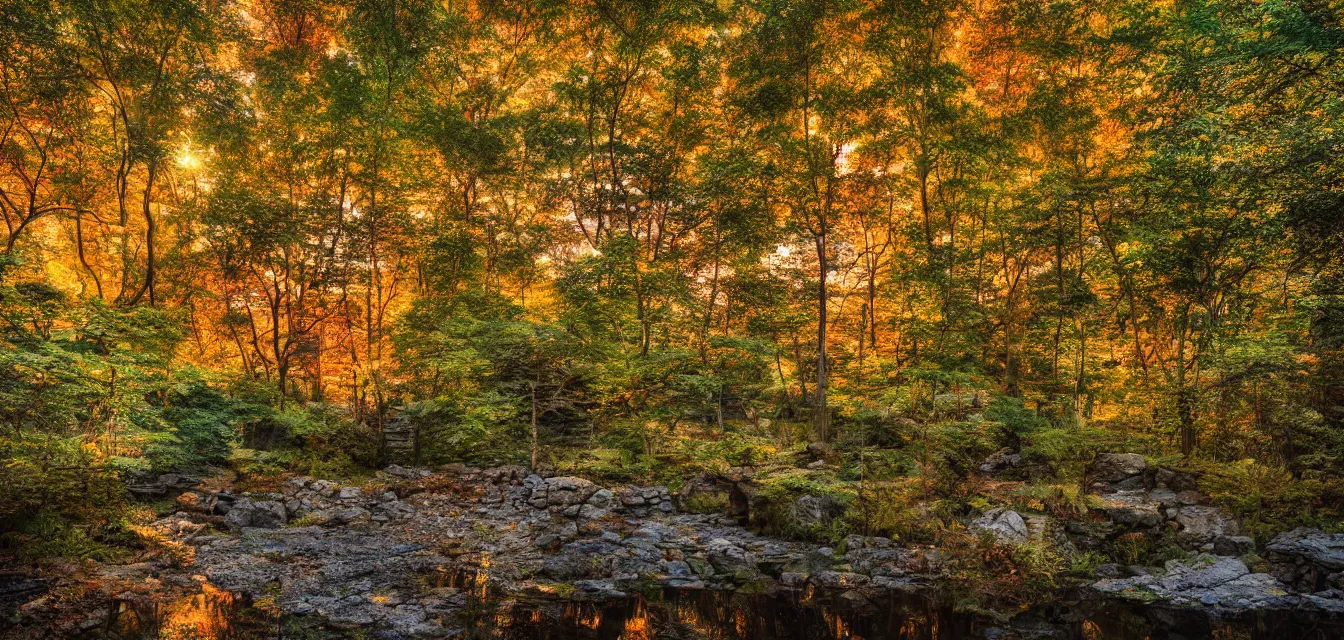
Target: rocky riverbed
x,y
405,555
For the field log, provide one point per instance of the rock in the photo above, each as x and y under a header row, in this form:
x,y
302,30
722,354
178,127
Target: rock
x,y
324,487
565,491
1312,546
546,539
818,450
1117,467
1308,559
581,559
1191,497
677,569
568,530
1202,581
1135,516
350,493
1005,524
1233,545
1129,484
811,509
632,500
1201,524
1000,461
162,485
507,475
265,514
590,512
729,558
337,516
1165,497
192,501
1178,481
839,579
1201,573
602,498
1108,570
405,472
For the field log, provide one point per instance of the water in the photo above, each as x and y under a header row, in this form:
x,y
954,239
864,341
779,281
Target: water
x,y
213,614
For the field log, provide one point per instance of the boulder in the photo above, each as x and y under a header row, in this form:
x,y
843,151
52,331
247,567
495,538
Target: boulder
x,y
819,450
506,475
811,509
564,491
1233,545
839,579
1005,524
676,569
264,514
601,499
1177,481
341,516
404,472
1135,516
1000,461
1201,581
581,559
1308,559
1204,523
1312,546
1118,467
162,485
729,558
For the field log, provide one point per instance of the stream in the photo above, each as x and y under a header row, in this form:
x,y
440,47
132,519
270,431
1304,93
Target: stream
x,y
215,614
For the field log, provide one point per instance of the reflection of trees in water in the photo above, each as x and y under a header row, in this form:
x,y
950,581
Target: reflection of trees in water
x,y
718,616
214,614
211,614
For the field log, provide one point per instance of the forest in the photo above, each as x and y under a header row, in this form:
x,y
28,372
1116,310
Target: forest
x,y
867,250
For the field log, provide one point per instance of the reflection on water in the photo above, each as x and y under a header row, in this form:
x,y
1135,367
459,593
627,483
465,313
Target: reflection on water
x,y
715,616
213,614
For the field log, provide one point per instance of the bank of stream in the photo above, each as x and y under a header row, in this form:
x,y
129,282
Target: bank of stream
x,y
502,553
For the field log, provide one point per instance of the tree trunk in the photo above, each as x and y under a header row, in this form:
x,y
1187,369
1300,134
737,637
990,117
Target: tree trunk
x,y
1185,400
534,426
822,417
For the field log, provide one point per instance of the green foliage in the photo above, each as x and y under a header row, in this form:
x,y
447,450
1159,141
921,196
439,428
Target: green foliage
x,y
1268,499
1085,564
48,535
773,507
1064,501
1014,416
203,425
706,502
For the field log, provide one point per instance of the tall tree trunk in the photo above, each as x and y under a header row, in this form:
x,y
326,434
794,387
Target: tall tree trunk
x,y
1185,396
534,426
822,417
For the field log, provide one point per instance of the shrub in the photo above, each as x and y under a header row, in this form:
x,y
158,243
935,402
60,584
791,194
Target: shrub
x,y
1268,499
772,508
706,502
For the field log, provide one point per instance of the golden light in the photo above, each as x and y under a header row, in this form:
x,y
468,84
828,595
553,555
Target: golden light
x,y
187,159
